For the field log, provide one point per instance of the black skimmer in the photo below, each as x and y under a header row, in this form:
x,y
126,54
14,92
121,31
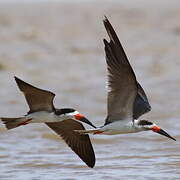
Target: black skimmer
x,y
62,121
127,100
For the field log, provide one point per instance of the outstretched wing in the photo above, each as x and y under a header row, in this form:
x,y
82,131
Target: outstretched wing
x,y
141,103
37,99
121,78
80,144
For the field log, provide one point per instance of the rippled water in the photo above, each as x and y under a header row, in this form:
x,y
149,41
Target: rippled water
x,y
59,47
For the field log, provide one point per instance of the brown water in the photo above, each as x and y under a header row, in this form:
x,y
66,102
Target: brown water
x,y
59,47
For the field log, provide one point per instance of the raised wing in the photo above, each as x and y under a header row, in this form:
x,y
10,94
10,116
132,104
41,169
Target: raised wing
x,y
37,99
80,144
121,78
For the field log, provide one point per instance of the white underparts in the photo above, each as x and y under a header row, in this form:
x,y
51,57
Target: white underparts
x,y
121,127
44,116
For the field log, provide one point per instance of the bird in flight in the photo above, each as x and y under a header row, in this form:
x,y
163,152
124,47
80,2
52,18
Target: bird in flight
x,y
127,100
62,121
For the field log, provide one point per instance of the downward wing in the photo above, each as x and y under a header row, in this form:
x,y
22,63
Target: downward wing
x,y
80,144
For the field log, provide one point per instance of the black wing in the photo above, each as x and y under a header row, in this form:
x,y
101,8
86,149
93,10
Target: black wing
x,y
141,104
37,99
80,144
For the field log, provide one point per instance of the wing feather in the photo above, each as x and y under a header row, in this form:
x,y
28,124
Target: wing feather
x,y
37,99
121,78
80,144
120,71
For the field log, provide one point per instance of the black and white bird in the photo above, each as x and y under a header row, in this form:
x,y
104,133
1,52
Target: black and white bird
x,y
62,121
127,100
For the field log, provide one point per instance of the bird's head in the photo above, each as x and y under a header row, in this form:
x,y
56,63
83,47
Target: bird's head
x,y
147,125
72,113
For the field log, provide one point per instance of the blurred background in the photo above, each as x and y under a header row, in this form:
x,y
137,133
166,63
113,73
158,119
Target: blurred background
x,y
57,46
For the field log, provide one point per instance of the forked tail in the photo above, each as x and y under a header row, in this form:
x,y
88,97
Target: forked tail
x,y
14,122
90,131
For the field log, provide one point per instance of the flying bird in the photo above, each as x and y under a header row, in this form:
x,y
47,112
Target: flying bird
x,y
127,100
62,121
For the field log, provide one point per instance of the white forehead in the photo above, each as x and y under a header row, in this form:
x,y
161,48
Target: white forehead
x,y
150,126
72,113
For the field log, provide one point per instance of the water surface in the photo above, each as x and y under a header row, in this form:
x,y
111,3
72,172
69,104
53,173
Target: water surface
x,y
59,47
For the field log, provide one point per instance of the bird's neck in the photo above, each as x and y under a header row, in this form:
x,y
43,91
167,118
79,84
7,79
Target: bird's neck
x,y
137,126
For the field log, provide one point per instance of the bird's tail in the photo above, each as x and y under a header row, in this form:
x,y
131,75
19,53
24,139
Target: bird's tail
x,y
90,131
11,123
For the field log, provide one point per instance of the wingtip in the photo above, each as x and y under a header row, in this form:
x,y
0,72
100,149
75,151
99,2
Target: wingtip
x,y
17,79
110,30
105,21
22,85
106,45
105,18
105,41
91,165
